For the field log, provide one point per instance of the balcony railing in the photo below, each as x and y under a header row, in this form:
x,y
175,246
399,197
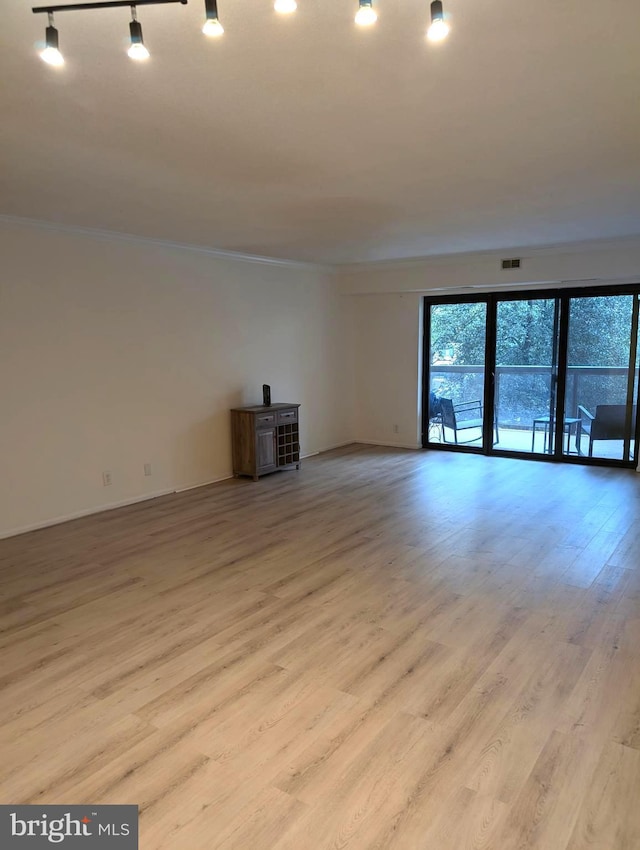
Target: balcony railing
x,y
522,396
577,389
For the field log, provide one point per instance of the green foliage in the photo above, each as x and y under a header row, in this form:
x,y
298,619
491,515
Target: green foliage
x,y
460,327
599,331
525,333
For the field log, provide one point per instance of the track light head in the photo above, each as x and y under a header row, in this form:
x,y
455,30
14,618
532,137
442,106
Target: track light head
x,y
439,28
51,54
137,50
212,26
285,7
366,14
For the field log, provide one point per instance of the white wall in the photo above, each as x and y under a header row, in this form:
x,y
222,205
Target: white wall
x,y
386,301
592,262
116,353
387,369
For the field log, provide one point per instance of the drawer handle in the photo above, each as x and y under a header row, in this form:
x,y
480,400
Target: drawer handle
x,y
265,418
285,415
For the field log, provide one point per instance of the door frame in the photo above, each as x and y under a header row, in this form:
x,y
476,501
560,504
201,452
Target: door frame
x,y
491,299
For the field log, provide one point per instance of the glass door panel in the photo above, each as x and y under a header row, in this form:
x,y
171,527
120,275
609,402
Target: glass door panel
x,y
602,374
526,375
457,336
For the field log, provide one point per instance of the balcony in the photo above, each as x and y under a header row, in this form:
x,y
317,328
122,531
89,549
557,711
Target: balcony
x,y
522,395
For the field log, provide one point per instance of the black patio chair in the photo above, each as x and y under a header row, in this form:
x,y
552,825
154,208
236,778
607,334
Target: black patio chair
x,y
609,423
463,417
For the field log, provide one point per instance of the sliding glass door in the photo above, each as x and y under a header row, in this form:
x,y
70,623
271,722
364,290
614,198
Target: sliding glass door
x,y
526,374
457,373
602,374
551,374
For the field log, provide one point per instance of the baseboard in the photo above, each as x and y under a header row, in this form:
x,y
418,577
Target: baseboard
x,y
332,447
412,446
25,529
202,484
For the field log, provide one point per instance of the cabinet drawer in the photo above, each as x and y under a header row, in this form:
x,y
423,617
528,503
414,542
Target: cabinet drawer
x,y
265,420
285,416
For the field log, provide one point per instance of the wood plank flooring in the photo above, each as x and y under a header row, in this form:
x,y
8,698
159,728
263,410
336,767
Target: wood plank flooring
x,y
388,650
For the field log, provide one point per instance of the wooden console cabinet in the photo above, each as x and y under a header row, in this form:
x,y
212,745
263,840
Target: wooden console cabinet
x,y
264,439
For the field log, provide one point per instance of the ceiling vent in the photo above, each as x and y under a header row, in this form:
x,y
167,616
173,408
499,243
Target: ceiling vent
x,y
511,264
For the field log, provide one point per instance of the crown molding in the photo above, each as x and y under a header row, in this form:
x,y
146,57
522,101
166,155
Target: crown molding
x,y
525,252
116,236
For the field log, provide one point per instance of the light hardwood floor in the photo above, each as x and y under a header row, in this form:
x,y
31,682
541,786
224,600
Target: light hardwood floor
x,y
387,649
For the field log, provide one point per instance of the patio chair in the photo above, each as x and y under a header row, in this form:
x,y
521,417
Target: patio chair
x,y
609,422
462,417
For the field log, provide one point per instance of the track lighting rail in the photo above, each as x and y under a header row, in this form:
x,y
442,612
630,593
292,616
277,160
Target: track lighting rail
x,y
103,4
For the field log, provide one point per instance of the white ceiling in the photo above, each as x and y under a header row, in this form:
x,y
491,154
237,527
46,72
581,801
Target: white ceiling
x,y
305,137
